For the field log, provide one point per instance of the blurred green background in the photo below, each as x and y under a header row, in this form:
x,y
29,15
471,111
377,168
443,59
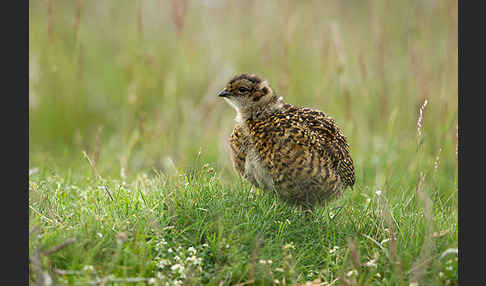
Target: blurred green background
x,y
134,83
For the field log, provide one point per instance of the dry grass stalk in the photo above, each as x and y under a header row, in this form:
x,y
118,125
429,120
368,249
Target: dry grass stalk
x,y
41,276
179,11
37,276
419,268
353,250
420,118
318,282
379,45
90,162
415,62
112,279
362,65
49,19
336,38
249,282
139,21
97,147
60,246
418,72
77,19
393,252
437,160
345,281
96,174
253,262
325,52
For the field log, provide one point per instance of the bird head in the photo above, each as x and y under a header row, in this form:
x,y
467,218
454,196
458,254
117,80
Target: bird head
x,y
249,94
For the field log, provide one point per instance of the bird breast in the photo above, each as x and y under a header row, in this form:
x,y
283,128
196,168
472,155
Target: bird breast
x,y
255,170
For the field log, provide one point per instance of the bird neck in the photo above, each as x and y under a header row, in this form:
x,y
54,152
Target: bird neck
x,y
259,112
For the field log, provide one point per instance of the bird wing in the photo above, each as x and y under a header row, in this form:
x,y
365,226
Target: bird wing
x,y
332,140
238,150
303,143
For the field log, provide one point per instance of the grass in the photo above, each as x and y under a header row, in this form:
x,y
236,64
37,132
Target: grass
x,y
126,229
148,227
130,181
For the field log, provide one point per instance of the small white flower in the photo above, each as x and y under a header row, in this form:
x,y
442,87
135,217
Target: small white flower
x,y
331,214
310,274
289,245
279,269
88,268
177,258
161,243
352,272
152,280
170,250
162,263
371,263
195,260
378,192
191,250
177,267
99,234
333,249
385,240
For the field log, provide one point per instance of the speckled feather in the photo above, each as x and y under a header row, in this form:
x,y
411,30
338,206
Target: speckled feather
x,y
299,152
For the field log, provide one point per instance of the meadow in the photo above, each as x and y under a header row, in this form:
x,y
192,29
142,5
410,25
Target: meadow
x,y
130,179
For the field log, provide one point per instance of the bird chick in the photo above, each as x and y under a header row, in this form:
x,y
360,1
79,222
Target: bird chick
x,y
298,152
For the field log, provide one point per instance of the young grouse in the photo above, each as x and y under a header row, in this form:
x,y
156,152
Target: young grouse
x,y
299,152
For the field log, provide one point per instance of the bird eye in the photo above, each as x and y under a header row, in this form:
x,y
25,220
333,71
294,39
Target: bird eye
x,y
242,90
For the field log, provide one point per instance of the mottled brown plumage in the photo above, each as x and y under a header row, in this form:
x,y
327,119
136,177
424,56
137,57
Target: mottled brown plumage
x,y
299,152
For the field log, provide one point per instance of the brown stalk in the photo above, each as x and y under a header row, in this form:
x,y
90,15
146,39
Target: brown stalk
x,y
437,160
179,10
362,65
98,145
90,162
393,252
42,276
354,254
380,55
139,21
325,52
49,20
425,253
77,19
253,262
420,118
336,37
96,175
60,246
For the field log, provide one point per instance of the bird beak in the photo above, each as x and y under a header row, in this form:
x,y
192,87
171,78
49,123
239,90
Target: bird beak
x,y
224,93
